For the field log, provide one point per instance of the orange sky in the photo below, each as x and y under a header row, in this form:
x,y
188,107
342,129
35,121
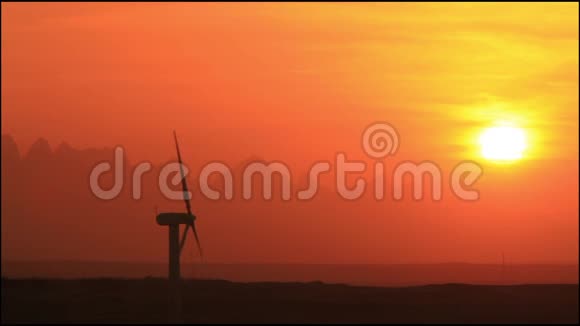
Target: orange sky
x,y
298,82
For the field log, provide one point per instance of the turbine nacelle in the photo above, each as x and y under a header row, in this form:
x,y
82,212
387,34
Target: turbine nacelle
x,y
175,219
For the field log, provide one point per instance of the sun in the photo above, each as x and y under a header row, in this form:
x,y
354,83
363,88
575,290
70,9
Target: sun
x,y
503,143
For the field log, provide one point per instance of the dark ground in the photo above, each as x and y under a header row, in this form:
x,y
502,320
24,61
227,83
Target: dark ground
x,y
118,300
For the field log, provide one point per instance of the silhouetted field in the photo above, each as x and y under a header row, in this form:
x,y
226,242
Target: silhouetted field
x,y
119,300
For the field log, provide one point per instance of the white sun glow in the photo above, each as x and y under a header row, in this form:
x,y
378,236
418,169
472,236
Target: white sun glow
x,y
503,143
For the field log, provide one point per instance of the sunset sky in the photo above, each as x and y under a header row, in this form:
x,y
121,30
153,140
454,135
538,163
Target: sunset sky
x,y
298,82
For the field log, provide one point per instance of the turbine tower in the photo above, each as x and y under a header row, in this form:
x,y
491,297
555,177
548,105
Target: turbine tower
x,y
174,220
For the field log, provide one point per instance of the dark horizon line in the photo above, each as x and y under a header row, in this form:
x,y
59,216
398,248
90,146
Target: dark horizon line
x,y
499,263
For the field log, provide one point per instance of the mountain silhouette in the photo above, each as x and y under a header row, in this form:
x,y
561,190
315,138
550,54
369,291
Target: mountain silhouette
x,y
40,151
10,152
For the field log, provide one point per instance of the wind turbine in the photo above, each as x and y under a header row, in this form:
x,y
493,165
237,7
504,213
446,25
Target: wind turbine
x,y
173,220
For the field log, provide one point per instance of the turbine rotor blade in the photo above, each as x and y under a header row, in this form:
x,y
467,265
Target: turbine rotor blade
x,y
187,201
197,240
186,198
183,238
